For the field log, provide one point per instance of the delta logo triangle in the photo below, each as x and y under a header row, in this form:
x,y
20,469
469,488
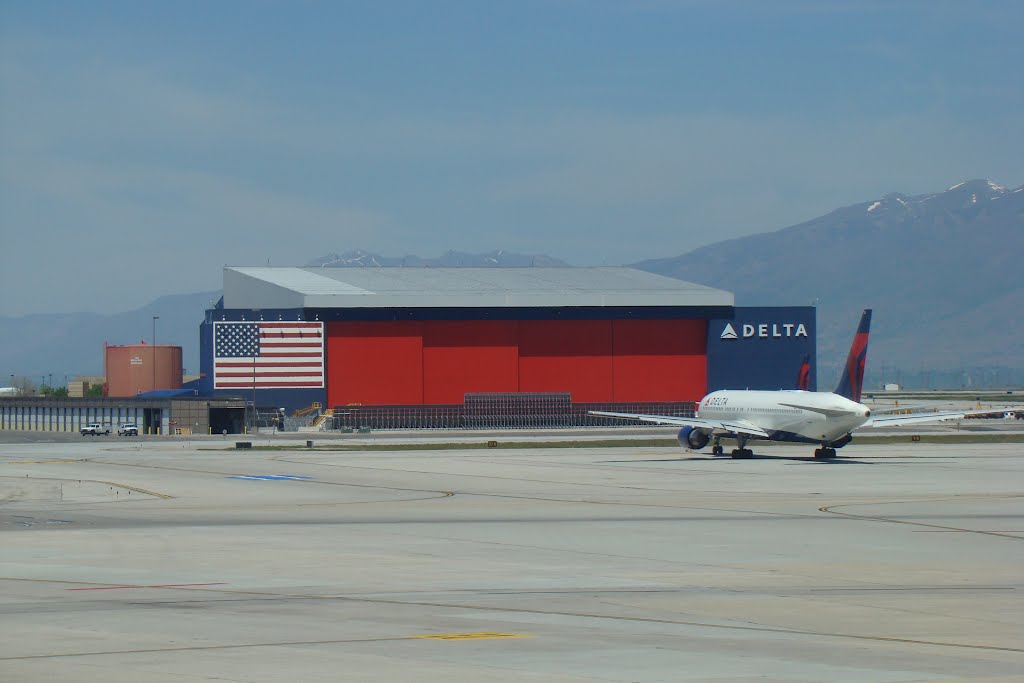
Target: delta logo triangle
x,y
729,332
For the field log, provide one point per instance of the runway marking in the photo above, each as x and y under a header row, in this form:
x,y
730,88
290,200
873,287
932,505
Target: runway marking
x,y
126,487
164,585
514,610
40,462
136,489
967,531
482,635
26,520
935,528
270,477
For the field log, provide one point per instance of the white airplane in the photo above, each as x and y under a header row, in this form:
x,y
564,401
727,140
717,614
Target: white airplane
x,y
818,417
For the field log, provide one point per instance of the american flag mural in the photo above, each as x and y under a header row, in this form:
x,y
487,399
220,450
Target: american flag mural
x,y
273,355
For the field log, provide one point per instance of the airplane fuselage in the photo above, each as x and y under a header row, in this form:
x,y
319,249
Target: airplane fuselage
x,y
805,416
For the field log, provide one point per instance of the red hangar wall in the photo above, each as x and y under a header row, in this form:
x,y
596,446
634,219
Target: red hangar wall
x,y
439,361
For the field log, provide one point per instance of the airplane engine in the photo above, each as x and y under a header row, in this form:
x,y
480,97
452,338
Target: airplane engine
x,y
690,437
839,443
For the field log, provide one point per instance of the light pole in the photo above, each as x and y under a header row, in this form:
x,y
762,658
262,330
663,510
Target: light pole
x,y
152,353
255,413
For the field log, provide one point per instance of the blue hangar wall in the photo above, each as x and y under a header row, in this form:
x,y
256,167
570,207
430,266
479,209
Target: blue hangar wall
x,y
762,347
289,399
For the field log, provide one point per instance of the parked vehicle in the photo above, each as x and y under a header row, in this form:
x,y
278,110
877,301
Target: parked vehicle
x,y
128,429
95,429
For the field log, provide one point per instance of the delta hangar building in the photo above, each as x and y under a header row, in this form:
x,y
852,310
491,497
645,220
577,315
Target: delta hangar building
x,y
415,337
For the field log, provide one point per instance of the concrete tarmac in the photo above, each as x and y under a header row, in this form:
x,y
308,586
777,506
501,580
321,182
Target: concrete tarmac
x,y
160,560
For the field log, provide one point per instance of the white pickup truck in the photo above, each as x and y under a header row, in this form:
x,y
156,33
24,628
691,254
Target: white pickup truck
x,y
95,429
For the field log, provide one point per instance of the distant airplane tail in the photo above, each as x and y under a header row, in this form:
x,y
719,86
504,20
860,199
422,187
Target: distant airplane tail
x,y
803,378
852,380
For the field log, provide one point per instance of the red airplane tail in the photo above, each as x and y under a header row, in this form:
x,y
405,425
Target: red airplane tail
x,y
852,381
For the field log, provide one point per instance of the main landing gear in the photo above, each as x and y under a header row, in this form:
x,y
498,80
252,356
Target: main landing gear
x,y
742,453
824,453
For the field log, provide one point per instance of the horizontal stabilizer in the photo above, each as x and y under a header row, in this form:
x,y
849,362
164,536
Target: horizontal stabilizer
x,y
828,412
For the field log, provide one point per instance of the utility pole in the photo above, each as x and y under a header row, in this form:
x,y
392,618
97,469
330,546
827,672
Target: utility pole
x,y
152,353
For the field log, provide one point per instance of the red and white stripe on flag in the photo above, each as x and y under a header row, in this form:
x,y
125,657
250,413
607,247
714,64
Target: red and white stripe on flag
x,y
268,355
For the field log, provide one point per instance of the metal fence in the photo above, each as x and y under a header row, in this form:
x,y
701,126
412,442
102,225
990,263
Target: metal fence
x,y
526,410
665,408
397,417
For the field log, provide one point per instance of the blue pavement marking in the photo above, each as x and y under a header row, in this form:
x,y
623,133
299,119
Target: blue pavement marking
x,y
270,477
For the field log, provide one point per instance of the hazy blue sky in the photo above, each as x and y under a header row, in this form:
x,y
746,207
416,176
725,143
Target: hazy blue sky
x,y
143,145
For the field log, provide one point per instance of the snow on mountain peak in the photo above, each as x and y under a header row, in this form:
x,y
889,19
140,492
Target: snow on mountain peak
x,y
984,186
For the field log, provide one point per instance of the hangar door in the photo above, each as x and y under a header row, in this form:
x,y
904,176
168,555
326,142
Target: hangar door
x,y
438,362
375,363
660,360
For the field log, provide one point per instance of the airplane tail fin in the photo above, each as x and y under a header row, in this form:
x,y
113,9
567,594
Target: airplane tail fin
x,y
852,380
803,378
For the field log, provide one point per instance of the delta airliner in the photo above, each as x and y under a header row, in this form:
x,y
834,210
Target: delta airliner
x,y
818,417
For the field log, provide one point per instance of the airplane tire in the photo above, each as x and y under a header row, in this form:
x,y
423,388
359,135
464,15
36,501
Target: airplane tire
x,y
742,454
824,453
717,450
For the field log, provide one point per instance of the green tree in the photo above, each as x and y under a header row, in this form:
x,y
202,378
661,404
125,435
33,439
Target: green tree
x,y
47,390
95,391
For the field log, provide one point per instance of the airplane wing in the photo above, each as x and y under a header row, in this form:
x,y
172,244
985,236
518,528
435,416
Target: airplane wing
x,y
920,418
730,426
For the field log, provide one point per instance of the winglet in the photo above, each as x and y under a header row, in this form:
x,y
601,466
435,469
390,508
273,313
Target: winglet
x,y
852,380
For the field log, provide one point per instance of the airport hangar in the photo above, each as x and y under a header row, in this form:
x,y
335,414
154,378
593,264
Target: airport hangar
x,y
611,337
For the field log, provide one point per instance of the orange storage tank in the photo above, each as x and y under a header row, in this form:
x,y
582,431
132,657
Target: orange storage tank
x,y
137,368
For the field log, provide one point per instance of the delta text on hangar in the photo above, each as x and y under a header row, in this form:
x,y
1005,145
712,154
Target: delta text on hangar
x,y
614,336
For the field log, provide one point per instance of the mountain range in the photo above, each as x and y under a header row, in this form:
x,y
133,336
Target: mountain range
x,y
40,345
940,271
450,259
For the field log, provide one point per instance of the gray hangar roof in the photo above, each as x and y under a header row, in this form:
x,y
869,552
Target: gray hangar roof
x,y
255,288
